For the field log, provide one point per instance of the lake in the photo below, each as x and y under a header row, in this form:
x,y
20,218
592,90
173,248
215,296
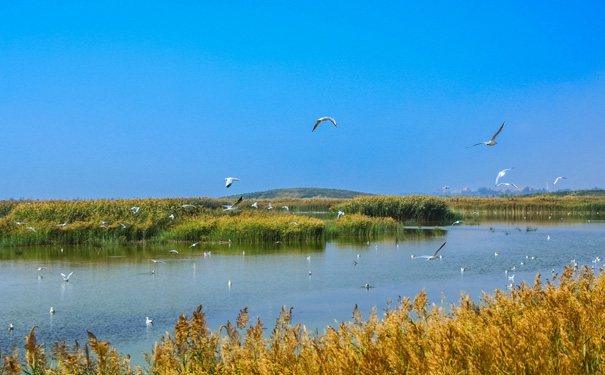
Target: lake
x,y
114,288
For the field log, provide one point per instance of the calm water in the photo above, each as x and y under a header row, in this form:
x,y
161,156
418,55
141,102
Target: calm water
x,y
112,290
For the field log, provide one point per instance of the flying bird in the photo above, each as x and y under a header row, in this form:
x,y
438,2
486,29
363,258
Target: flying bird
x,y
230,181
492,141
66,277
446,187
171,216
173,252
431,257
270,207
158,261
255,205
188,205
194,244
62,225
286,207
233,206
457,222
32,229
134,210
508,184
324,119
123,225
560,178
501,174
340,213
19,222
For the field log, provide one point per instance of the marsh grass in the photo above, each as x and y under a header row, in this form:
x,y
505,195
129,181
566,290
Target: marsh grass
x,y
556,328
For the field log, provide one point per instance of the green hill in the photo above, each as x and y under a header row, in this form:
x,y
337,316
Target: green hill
x,y
300,193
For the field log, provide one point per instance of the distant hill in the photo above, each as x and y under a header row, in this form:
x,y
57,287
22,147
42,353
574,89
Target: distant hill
x,y
299,193
574,193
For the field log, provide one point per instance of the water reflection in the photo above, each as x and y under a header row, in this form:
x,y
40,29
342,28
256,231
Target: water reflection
x,y
114,288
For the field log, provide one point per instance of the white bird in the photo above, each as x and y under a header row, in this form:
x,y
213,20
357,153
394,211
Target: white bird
x,y
309,258
158,261
286,207
294,223
508,184
187,205
446,187
41,268
233,206
367,286
123,225
173,252
255,205
431,257
103,226
194,244
270,207
512,278
32,229
496,254
501,174
462,269
548,237
229,283
148,321
230,181
66,278
10,327
560,178
62,225
340,213
19,222
309,273
134,210
171,216
457,222
52,310
324,119
492,141
103,222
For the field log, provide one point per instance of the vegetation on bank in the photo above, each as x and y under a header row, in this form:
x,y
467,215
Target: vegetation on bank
x,y
539,329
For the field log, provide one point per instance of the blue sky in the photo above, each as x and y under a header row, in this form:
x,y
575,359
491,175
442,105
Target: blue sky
x,y
134,99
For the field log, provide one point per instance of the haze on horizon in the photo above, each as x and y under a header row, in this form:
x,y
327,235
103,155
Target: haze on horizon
x,y
155,99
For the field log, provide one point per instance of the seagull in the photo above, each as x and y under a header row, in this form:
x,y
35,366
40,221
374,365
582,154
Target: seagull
x,y
194,244
32,229
52,310
171,216
340,213
41,268
66,278
103,226
134,210
548,237
508,184
367,286
309,273
294,223
462,269
501,174
158,261
255,205
173,252
229,283
277,242
10,327
431,257
19,222
492,141
148,321
230,181
123,225
187,205
496,254
309,258
233,206
270,207
457,222
286,207
446,187
560,178
324,119
62,225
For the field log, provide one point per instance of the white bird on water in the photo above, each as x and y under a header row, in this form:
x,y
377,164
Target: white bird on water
x,y
324,119
491,142
340,213
148,321
501,174
431,257
10,327
559,178
66,278
230,181
52,310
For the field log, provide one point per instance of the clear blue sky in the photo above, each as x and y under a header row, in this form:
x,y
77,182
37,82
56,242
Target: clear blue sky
x,y
114,99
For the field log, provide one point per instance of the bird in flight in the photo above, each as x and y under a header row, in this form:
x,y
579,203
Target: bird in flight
x,y
434,256
194,244
134,210
286,207
446,187
340,213
188,205
508,184
560,178
32,229
173,252
492,141
62,225
255,205
66,277
230,181
171,216
233,206
158,261
324,119
501,174
457,222
270,207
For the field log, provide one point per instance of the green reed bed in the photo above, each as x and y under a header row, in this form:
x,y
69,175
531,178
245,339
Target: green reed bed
x,y
555,328
523,206
361,226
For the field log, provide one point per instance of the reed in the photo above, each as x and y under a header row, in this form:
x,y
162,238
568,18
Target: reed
x,y
361,226
556,328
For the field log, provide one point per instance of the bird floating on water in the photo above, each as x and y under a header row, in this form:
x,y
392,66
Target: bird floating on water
x,y
491,142
66,278
501,174
52,310
10,327
230,181
324,119
431,257
41,268
148,321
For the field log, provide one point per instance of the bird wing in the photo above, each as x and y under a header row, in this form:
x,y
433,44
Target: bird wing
x,y
63,276
498,132
317,123
71,273
238,201
476,144
331,120
441,247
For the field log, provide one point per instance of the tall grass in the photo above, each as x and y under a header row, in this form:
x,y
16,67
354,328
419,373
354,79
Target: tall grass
x,y
534,329
420,209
